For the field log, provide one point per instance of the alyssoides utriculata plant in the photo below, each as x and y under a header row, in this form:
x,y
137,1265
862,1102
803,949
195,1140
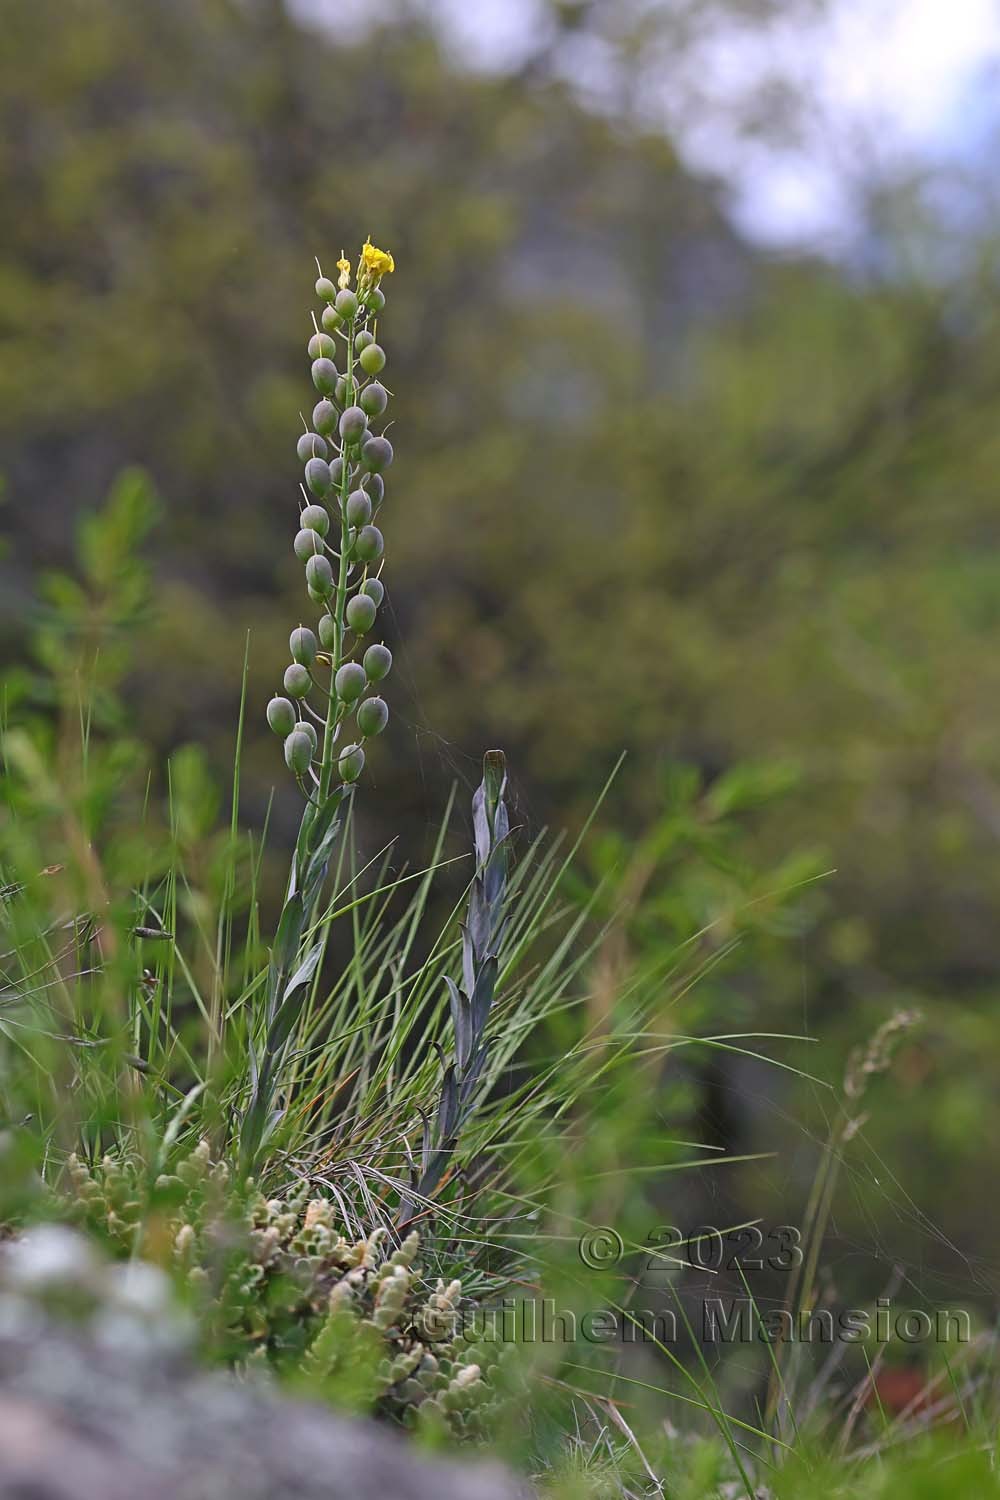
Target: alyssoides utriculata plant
x,y
332,679
344,459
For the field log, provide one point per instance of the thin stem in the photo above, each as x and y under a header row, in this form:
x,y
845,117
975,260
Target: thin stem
x,y
326,765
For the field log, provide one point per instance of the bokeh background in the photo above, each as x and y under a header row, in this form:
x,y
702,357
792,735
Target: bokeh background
x,y
695,343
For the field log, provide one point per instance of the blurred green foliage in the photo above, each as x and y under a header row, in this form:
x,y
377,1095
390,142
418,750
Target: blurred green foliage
x,y
660,494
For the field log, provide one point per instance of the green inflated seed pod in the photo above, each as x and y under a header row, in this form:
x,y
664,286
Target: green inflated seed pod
x,y
318,476
324,376
298,752
326,289
375,299
376,454
319,576
322,346
336,471
353,425
316,596
375,589
374,399
363,339
369,545
351,762
372,358
311,445
303,726
281,716
346,391
375,485
325,416
360,613
331,319
350,681
359,508
327,632
307,544
373,716
302,645
315,518
297,680
377,662
346,303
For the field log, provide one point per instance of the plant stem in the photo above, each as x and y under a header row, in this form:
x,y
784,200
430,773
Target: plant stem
x,y
340,599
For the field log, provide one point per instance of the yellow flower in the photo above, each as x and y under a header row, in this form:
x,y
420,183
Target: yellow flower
x,y
344,267
376,263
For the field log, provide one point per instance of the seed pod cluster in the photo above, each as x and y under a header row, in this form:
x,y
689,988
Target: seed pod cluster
x,y
338,540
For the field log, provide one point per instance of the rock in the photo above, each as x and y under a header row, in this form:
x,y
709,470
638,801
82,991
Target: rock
x,y
99,1400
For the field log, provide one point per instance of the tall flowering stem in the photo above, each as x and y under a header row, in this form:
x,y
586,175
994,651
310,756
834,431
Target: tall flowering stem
x,y
337,666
